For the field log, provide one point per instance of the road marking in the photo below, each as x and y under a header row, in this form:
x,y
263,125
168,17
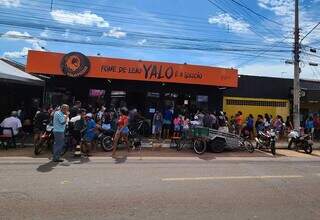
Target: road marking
x,y
231,178
65,182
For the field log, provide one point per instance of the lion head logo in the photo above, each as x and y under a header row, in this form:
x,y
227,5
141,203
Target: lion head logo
x,y
75,64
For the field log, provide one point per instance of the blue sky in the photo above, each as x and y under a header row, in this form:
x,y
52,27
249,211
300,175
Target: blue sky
x,y
257,40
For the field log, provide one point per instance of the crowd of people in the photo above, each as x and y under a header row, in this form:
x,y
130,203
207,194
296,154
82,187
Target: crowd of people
x,y
85,122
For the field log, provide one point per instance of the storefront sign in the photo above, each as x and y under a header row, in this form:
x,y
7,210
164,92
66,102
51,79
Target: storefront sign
x,y
40,62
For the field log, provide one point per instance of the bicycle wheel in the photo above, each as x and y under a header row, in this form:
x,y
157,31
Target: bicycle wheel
x,y
199,146
174,143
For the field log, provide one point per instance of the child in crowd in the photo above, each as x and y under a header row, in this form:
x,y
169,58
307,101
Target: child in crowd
x,y
185,125
90,134
177,122
157,124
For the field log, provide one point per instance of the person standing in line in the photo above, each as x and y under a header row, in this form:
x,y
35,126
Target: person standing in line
x,y
60,119
238,122
89,135
167,121
267,121
310,126
260,124
289,125
157,124
40,121
100,113
177,122
186,126
249,125
207,120
222,123
74,111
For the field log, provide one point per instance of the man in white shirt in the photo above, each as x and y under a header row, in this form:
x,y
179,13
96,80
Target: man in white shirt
x,y
11,122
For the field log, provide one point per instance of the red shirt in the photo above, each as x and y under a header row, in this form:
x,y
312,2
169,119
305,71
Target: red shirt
x,y
123,120
239,120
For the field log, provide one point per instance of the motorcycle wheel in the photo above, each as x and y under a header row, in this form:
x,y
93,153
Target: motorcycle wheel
x,y
199,146
39,147
257,145
273,149
308,149
106,143
248,146
290,144
179,146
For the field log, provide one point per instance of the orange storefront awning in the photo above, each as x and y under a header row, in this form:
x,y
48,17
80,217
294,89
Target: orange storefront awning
x,y
76,65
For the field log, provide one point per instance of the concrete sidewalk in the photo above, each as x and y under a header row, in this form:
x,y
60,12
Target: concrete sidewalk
x,y
164,152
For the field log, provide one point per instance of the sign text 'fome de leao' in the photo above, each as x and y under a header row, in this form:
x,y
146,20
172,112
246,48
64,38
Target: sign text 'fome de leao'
x,y
78,65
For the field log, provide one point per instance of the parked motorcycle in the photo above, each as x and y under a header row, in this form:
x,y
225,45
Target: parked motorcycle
x,y
266,140
301,142
46,140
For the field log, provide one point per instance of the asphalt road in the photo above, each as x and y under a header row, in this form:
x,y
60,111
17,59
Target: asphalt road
x,y
160,188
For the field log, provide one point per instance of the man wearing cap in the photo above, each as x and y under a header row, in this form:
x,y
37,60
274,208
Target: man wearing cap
x,y
11,122
60,119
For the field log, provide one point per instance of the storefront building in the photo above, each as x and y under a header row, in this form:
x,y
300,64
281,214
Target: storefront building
x,y
144,85
259,95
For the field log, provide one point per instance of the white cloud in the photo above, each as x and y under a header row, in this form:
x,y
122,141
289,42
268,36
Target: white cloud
x,y
66,33
284,9
17,54
16,35
45,33
23,52
279,7
225,20
10,3
24,36
267,69
85,18
142,42
115,32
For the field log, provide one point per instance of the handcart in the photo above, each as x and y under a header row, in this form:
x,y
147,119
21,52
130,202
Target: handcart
x,y
217,141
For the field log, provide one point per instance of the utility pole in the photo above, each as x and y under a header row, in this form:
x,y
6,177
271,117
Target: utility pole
x,y
296,80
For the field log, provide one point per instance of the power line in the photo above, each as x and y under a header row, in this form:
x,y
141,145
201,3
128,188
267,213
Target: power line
x,y
259,15
310,32
224,11
257,56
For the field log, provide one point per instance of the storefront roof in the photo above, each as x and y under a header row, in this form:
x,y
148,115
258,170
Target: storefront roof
x,y
10,73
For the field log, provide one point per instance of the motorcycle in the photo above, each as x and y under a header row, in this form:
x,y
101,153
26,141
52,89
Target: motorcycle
x,y
301,142
106,137
46,140
266,140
